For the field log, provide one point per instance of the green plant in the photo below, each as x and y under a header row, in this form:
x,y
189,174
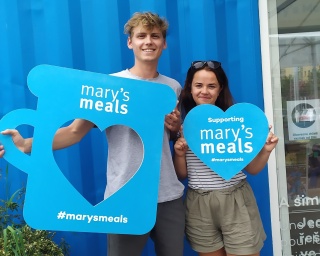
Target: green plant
x,y
26,241
11,205
19,239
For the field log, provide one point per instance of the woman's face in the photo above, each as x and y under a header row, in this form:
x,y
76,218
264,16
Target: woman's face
x,y
205,87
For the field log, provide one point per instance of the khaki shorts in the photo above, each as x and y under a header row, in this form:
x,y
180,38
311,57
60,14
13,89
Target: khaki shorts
x,y
226,218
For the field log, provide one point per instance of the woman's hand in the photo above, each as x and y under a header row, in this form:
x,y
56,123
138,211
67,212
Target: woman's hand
x,y
181,145
271,142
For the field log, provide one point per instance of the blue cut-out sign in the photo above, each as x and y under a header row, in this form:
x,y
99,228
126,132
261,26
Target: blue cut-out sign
x,y
226,141
64,94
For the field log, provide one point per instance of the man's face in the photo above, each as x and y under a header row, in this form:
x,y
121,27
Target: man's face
x,y
146,45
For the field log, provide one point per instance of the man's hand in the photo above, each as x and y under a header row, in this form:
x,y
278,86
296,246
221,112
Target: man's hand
x,y
1,151
17,140
173,120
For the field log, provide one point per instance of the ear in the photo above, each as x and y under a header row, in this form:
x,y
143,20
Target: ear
x,y
129,42
165,44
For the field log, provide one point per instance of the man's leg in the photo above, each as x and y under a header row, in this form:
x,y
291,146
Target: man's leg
x,y
121,245
168,233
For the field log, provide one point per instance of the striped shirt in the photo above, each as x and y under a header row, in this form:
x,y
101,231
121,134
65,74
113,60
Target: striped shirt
x,y
202,177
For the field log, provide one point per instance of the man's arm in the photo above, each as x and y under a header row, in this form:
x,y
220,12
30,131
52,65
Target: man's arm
x,y
64,137
72,134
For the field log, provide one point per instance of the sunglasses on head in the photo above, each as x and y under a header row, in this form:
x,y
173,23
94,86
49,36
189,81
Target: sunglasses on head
x,y
210,63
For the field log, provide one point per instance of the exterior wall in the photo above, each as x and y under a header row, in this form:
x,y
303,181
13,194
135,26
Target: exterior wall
x,y
88,35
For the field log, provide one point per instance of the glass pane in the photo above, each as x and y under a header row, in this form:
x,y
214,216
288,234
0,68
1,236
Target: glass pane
x,y
295,54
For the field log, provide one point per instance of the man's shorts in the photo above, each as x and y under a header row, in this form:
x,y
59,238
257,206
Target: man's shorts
x,y
226,218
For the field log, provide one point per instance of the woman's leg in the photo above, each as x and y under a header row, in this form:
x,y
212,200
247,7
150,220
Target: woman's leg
x,y
256,254
220,252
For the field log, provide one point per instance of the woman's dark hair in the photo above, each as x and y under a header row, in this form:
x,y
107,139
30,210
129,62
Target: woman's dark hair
x,y
224,100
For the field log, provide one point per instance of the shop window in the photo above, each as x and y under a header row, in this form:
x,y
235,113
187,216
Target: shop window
x,y
295,57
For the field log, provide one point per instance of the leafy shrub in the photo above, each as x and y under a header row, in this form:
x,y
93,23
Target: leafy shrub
x,y
19,239
26,241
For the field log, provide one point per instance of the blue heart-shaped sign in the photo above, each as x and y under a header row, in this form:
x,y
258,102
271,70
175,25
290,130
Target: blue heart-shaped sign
x,y
226,141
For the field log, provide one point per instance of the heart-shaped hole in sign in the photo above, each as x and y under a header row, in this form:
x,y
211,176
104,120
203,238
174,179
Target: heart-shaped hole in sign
x,y
85,164
226,141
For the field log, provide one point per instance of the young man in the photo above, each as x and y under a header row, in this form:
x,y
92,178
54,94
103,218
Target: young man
x,y
147,38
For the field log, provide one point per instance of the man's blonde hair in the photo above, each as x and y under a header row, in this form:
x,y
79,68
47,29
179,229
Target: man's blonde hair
x,y
148,20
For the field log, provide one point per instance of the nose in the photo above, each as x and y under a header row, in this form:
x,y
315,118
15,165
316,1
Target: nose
x,y
204,90
148,39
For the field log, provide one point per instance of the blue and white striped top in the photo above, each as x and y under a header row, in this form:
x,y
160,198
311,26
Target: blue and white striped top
x,y
202,177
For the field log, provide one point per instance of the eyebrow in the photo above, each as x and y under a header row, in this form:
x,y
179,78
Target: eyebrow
x,y
144,33
141,33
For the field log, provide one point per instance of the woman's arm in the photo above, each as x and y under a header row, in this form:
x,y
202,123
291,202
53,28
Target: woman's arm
x,y
179,158
259,162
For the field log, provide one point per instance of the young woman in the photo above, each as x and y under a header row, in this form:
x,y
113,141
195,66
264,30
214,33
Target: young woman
x,y
222,217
